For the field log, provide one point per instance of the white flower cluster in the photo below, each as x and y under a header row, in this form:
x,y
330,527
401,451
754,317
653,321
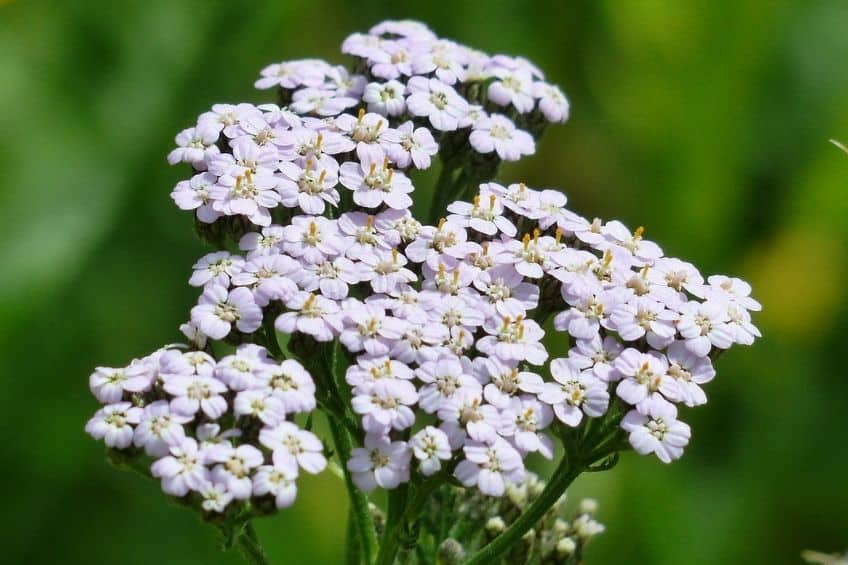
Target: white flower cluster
x,y
174,405
443,322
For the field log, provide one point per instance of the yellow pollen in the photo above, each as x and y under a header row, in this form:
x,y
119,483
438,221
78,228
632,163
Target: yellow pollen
x,y
238,182
521,331
308,164
319,140
526,241
441,270
373,168
248,174
391,172
506,322
486,248
607,258
394,255
519,319
442,223
379,126
638,233
313,228
374,373
322,176
522,187
309,301
369,223
492,200
456,277
536,234
385,162
644,272
388,366
361,115
477,201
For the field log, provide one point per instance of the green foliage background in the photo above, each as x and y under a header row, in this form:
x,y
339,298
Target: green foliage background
x,y
707,122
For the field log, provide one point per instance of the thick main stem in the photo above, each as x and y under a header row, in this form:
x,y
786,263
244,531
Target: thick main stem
x,y
358,501
566,472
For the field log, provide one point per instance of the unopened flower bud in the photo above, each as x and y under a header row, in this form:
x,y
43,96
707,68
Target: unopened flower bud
x,y
495,525
566,546
451,552
561,526
588,506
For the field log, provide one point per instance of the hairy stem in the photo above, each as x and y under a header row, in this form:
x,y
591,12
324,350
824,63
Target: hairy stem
x,y
251,549
358,501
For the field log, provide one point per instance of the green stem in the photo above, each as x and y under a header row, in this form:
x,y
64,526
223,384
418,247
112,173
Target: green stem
x,y
352,553
358,500
250,547
566,472
391,539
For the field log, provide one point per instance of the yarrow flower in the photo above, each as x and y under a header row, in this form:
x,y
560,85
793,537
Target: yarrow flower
x,y
423,342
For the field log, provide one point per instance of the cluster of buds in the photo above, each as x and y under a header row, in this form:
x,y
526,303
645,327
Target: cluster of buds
x,y
559,537
423,343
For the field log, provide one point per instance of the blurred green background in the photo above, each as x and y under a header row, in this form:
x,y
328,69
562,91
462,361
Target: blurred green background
x,y
707,122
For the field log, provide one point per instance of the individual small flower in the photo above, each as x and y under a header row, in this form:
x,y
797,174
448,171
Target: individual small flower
x,y
311,314
437,101
597,354
732,289
645,378
490,466
261,404
291,75
375,183
194,334
250,195
218,310
498,133
107,384
505,380
642,316
312,239
657,431
270,277
114,424
159,428
485,215
386,98
443,378
512,87
690,371
183,470
196,194
309,187
267,242
320,102
194,145
294,447
216,268
235,465
574,393
196,393
466,411
276,481
368,328
381,462
406,144
385,405
523,420
291,383
705,325
430,446
513,339
552,102
215,496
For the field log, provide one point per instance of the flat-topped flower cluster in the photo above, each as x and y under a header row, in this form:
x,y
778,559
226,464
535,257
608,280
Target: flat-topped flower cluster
x,y
445,366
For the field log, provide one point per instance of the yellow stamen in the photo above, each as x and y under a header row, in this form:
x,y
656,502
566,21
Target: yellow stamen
x,y
536,234
558,235
309,164
477,201
322,176
492,200
638,233
373,168
526,241
319,140
442,223
369,223
313,228
361,115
